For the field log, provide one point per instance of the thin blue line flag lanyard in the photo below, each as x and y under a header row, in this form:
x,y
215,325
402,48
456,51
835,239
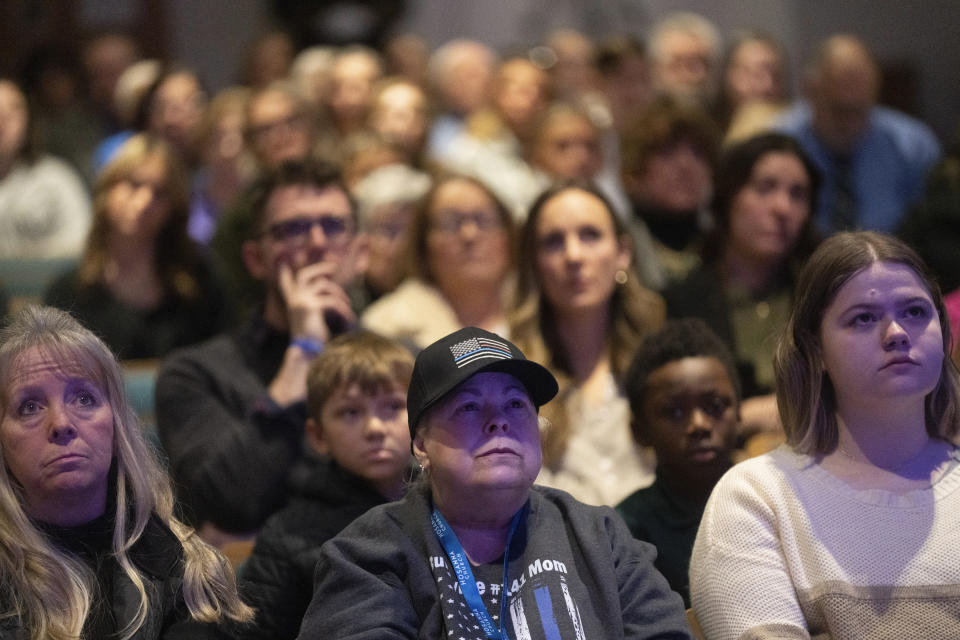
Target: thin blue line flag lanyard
x,y
468,584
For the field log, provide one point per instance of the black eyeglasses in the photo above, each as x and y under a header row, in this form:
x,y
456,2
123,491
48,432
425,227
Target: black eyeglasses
x,y
451,221
335,229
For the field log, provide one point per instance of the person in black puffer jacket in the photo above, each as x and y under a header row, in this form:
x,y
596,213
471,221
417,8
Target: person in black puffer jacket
x,y
356,397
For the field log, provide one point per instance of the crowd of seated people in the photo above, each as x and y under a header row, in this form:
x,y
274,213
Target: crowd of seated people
x,y
280,250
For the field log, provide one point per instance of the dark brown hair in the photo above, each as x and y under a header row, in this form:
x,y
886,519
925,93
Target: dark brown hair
x,y
665,123
312,172
733,173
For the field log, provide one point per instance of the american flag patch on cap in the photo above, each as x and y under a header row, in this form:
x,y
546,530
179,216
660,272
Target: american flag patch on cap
x,y
478,348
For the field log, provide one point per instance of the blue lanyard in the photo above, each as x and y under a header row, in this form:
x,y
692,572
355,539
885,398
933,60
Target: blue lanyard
x,y
468,584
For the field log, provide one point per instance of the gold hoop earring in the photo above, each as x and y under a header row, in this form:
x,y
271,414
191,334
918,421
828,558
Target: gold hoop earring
x,y
620,277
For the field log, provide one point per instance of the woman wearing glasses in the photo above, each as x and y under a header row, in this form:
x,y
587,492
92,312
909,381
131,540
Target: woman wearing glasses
x,y
141,284
460,266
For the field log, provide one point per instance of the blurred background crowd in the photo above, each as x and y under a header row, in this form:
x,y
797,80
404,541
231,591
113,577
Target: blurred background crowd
x,y
715,144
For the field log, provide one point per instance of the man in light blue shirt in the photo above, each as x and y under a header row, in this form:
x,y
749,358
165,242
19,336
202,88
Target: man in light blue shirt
x,y
874,160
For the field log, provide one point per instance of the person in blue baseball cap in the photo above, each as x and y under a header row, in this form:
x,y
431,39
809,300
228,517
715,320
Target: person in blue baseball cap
x,y
475,550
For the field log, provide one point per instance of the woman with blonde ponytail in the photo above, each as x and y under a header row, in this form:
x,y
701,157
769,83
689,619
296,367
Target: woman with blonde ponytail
x,y
89,545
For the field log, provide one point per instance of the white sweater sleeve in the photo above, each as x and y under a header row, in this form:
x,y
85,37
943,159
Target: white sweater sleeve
x,y
740,586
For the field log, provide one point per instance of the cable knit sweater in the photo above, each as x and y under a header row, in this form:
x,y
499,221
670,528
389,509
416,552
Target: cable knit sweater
x,y
786,550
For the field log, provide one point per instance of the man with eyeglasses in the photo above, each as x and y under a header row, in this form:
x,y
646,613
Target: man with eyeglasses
x,y
230,412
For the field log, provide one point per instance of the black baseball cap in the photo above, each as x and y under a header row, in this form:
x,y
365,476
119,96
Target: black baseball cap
x,y
452,359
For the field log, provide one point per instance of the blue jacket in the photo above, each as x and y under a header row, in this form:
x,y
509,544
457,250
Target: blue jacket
x,y
890,164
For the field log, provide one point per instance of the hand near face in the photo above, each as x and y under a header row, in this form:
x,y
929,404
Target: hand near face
x,y
316,305
307,251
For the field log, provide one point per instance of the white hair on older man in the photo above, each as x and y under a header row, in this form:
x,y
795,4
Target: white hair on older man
x,y
390,185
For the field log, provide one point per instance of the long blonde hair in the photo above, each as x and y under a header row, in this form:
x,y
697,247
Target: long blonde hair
x,y
635,312
50,590
176,257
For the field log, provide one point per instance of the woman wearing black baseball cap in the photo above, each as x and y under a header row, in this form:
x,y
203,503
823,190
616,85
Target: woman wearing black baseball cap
x,y
478,551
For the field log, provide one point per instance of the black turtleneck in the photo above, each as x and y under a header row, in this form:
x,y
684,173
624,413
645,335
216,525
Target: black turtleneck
x,y
674,229
92,543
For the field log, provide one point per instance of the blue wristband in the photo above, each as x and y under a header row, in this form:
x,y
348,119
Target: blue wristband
x,y
312,347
